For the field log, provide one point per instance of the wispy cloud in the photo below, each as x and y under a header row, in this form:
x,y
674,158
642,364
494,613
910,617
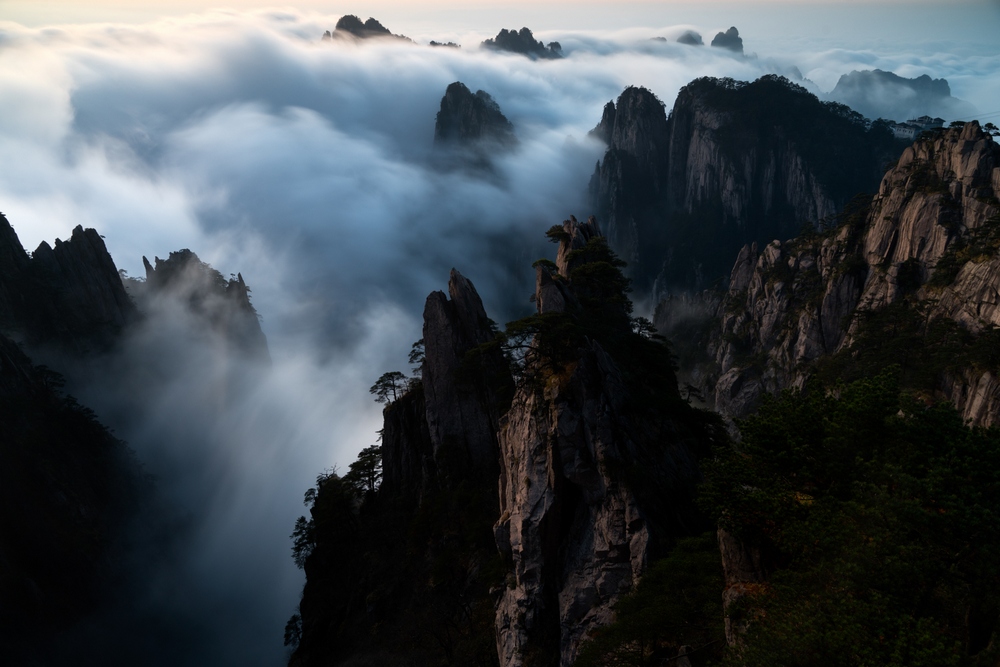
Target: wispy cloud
x,y
309,167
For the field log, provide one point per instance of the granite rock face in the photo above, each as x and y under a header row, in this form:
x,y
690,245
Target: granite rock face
x,y
577,538
461,395
629,182
578,535
67,295
791,303
735,163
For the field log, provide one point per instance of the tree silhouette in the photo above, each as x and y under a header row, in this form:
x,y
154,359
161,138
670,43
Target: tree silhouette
x,y
389,387
365,474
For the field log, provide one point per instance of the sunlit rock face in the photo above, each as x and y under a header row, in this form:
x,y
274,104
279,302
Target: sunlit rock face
x,y
578,533
791,303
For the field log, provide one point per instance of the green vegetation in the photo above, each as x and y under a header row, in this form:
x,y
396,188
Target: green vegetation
x,y
921,349
878,516
677,603
977,245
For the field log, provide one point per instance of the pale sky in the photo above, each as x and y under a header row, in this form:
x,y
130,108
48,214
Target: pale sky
x,y
920,19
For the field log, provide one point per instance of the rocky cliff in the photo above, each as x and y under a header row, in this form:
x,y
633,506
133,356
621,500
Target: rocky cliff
x,y
581,453
462,395
220,305
467,120
730,40
522,42
67,295
577,479
402,576
351,27
919,258
734,163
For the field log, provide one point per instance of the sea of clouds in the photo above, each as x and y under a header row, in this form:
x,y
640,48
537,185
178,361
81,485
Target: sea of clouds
x,y
310,168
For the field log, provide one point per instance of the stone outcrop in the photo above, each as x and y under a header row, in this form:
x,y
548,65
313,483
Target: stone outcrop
x,y
352,28
403,576
578,534
407,451
940,189
222,305
629,183
67,295
730,40
523,42
735,163
792,303
472,120
462,389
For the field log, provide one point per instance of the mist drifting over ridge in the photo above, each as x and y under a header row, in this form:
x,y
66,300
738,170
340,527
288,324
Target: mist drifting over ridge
x,y
308,167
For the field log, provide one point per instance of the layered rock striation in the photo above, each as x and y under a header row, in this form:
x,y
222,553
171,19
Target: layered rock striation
x,y
579,521
926,242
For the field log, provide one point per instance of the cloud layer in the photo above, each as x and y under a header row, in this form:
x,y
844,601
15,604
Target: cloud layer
x,y
310,168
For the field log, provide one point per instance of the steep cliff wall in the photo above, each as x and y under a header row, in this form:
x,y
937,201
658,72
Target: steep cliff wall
x,y
463,396
403,576
582,450
734,163
466,119
926,241
68,295
577,475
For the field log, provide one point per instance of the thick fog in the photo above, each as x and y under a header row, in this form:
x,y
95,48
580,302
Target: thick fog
x,y
310,168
